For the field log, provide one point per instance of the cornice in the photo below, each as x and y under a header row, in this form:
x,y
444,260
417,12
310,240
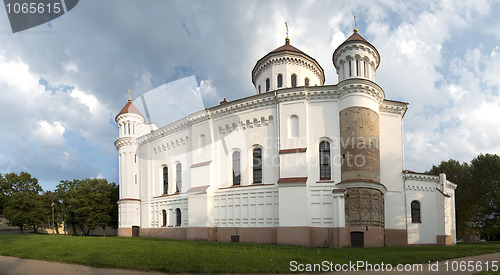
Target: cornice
x,y
422,177
394,107
358,85
125,141
361,184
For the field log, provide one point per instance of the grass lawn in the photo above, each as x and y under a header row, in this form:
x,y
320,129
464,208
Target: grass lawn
x,y
215,257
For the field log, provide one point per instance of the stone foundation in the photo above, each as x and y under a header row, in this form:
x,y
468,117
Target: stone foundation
x,y
444,240
125,232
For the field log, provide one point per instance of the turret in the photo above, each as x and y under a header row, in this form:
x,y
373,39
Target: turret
x,y
130,121
356,58
286,67
356,61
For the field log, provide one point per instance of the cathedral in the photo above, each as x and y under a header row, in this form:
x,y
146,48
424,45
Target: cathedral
x,y
297,163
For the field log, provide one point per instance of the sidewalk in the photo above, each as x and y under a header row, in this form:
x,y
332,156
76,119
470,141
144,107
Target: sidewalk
x,y
16,266
450,266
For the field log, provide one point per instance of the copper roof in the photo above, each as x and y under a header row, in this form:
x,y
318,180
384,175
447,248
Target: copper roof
x,y
129,108
286,47
355,37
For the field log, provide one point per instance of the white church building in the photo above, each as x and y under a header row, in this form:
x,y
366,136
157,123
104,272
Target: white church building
x,y
298,163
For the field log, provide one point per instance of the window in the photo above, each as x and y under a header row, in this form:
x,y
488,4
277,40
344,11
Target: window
x,y
357,68
178,217
236,168
259,90
366,68
178,179
293,126
415,211
280,80
350,68
306,82
294,80
257,165
268,84
324,161
164,214
165,180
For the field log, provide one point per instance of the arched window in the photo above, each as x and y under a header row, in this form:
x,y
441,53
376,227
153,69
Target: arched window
x,y
268,84
236,168
164,216
165,180
350,68
178,178
293,126
415,211
280,80
358,73
294,80
257,165
324,161
178,217
306,82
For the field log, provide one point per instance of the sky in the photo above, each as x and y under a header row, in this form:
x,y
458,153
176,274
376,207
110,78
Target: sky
x,y
63,82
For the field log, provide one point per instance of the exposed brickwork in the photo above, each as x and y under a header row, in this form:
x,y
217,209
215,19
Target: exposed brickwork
x,y
359,138
364,207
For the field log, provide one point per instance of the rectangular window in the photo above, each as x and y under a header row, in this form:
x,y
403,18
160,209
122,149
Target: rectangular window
x,y
236,168
257,165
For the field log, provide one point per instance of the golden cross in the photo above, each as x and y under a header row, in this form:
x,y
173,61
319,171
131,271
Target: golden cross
x,y
129,95
286,25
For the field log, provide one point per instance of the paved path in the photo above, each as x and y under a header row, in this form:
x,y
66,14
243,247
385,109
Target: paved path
x,y
441,268
16,266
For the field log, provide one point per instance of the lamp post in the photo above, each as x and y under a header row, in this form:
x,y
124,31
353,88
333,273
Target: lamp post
x,y
53,224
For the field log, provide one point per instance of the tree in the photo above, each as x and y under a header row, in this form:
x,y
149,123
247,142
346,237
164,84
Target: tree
x,y
486,178
477,197
88,202
23,203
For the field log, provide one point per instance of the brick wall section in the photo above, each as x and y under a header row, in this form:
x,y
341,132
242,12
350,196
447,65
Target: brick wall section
x,y
364,207
359,144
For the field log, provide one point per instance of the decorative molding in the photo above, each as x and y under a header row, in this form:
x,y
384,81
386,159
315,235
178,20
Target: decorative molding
x,y
293,150
292,182
128,199
247,124
201,164
125,141
346,87
292,60
393,107
422,177
361,183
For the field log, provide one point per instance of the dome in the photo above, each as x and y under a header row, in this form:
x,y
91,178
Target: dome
x,y
356,57
129,109
286,67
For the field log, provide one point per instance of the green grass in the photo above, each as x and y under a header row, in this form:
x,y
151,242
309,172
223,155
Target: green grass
x,y
215,257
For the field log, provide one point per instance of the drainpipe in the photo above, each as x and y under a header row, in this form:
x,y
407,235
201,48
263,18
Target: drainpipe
x,y
278,143
406,207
